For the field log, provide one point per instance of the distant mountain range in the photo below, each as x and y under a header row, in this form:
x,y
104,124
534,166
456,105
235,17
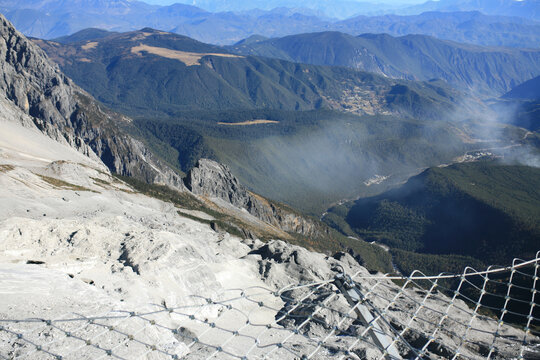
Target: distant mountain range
x,y
487,71
52,19
346,8
470,27
333,9
529,9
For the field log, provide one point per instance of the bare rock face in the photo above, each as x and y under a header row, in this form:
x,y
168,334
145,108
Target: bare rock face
x,y
280,261
213,180
67,114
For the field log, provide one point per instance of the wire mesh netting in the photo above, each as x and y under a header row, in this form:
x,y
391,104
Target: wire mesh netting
x,y
490,314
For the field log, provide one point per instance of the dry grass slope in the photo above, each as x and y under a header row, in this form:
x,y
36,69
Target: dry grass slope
x,y
89,45
188,58
5,168
250,122
61,184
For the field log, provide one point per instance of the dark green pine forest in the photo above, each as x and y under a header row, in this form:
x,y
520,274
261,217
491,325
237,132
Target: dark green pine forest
x,y
485,210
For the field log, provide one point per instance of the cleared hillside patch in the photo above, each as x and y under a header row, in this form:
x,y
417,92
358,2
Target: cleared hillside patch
x,y
250,122
188,58
89,46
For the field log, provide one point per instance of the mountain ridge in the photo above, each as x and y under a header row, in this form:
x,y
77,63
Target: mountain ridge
x,y
525,99
491,71
528,90
63,110
524,8
237,82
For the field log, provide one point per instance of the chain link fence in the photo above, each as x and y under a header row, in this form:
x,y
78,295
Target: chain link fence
x,y
490,314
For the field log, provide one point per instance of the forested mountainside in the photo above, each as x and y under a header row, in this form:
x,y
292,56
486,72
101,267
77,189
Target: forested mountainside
x,y
487,71
485,210
176,73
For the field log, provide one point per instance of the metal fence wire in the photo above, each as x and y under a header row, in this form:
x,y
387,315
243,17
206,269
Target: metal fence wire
x,y
490,314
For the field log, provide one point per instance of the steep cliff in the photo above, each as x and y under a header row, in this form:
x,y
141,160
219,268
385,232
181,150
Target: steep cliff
x,y
215,181
66,113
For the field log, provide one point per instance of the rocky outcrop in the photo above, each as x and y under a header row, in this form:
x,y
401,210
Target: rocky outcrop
x,y
214,180
69,115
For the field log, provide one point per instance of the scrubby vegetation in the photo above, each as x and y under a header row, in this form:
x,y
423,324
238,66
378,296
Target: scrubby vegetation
x,y
6,168
430,264
61,184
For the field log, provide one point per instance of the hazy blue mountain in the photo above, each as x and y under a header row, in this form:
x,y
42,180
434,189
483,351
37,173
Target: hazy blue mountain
x,y
229,27
466,27
53,19
50,19
488,71
528,116
524,8
347,8
333,9
525,99
529,90
100,7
